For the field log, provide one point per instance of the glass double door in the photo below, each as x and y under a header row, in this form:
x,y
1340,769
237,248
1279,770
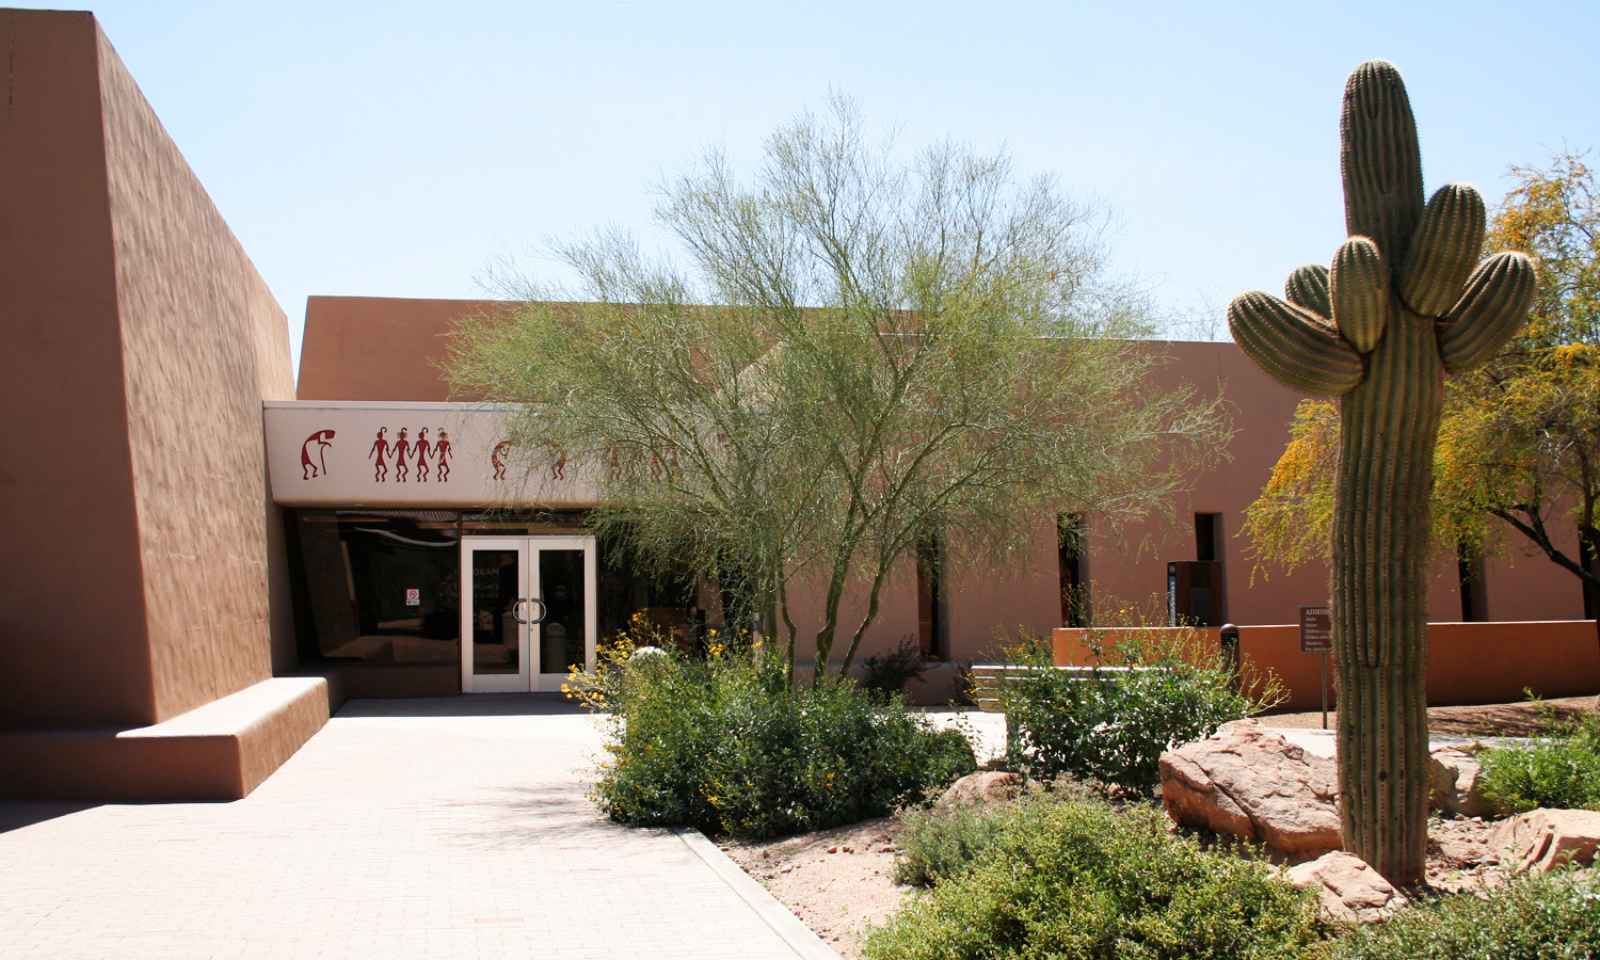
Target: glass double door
x,y
527,612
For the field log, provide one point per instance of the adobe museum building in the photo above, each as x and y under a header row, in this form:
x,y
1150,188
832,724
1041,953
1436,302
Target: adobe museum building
x,y
203,559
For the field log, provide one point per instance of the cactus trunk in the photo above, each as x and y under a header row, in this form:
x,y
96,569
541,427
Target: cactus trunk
x,y
1402,305
1380,551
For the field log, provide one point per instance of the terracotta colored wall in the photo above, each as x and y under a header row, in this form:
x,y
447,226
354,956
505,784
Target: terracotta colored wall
x,y
204,344
1467,662
72,626
142,577
378,348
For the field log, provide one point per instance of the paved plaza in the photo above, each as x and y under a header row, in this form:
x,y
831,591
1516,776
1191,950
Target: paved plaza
x,y
440,828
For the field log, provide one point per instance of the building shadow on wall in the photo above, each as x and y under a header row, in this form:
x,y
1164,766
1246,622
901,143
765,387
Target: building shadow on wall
x,y
465,705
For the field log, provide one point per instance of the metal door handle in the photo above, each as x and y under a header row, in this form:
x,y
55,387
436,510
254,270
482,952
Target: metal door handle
x,y
516,610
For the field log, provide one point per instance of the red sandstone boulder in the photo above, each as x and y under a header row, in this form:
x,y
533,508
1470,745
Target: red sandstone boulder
x,y
1542,840
1249,783
1349,891
985,786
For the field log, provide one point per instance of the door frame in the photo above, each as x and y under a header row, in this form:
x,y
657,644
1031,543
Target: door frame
x,y
528,678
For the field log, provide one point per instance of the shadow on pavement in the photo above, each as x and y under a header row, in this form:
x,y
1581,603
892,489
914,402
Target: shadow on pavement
x,y
17,814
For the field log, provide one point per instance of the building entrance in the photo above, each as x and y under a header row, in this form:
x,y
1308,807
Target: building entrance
x,y
528,611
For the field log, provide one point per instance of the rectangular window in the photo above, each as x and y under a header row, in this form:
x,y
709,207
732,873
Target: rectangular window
x,y
932,607
1474,589
1589,556
1071,547
1208,537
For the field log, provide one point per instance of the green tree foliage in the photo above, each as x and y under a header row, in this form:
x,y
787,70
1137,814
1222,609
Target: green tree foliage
x,y
1519,441
892,347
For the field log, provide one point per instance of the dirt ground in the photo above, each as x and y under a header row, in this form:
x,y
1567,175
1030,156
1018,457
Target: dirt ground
x,y
1489,720
836,881
839,894
839,882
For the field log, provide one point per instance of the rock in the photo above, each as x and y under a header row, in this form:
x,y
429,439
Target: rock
x,y
1453,782
1544,839
1249,783
983,787
1349,891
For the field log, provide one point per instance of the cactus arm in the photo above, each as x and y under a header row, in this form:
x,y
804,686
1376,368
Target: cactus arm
x,y
1358,285
1379,159
1490,312
1292,345
1443,251
1307,287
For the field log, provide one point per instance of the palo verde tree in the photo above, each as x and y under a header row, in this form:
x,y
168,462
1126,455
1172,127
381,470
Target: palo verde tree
x,y
1519,440
847,352
1404,302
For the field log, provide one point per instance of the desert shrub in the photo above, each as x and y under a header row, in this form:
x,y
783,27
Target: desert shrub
x,y
1563,771
1111,723
726,745
1553,917
938,844
890,672
1075,878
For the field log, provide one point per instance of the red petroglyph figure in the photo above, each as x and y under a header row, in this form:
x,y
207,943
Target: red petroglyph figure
x,y
311,469
558,470
423,448
441,451
497,457
380,448
402,450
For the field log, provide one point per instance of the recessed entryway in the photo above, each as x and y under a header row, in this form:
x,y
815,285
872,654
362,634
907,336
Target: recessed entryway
x,y
528,611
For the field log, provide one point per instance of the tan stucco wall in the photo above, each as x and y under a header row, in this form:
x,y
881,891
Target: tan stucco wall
x,y
204,343
144,574
72,626
375,348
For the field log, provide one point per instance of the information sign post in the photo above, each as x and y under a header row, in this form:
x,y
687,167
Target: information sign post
x,y
1316,636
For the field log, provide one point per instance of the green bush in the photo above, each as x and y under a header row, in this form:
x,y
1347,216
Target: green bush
x,y
938,844
1561,772
1538,918
725,745
890,672
1074,878
1112,724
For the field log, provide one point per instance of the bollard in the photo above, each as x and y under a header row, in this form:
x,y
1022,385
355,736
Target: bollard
x,y
1229,642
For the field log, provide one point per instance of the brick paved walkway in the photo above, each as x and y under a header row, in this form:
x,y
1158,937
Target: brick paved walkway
x,y
445,828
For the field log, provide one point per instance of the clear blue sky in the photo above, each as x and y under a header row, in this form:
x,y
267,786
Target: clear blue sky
x,y
400,149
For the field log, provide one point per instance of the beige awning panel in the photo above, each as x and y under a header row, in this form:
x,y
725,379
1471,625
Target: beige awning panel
x,y
323,453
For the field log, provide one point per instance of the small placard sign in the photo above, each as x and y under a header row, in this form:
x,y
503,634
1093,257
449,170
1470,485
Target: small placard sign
x,y
1316,629
413,597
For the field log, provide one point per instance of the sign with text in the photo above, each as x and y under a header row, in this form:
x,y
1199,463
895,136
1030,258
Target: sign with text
x,y
1316,629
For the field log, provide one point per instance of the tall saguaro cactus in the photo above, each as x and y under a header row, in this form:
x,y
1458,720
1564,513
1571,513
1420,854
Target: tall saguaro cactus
x,y
1404,302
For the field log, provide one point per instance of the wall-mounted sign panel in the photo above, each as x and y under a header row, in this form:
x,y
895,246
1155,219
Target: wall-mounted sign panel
x,y
408,454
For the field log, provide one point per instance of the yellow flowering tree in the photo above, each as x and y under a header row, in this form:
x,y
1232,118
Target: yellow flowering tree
x,y
1519,441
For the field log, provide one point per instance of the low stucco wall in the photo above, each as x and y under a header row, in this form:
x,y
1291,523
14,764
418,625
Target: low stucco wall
x,y
1467,662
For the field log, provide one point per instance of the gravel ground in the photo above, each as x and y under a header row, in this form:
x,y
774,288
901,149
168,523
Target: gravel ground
x,y
1488,720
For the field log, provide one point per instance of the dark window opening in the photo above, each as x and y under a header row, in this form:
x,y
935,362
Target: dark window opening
x,y
1207,537
1074,586
1209,547
932,605
1589,554
1474,592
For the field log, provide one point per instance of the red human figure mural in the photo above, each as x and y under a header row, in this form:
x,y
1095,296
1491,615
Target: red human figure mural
x,y
558,470
423,448
497,457
402,450
380,449
441,451
311,469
